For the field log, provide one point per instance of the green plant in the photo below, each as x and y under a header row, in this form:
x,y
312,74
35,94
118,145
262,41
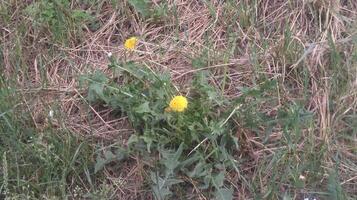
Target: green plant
x,y
279,76
57,17
146,10
199,143
36,164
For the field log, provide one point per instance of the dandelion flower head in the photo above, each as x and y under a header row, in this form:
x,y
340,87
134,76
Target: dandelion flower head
x,y
131,43
178,103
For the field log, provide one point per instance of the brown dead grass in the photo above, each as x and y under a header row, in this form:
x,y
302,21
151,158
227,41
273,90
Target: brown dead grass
x,y
160,49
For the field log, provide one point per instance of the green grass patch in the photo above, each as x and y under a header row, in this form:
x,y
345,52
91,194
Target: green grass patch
x,y
38,164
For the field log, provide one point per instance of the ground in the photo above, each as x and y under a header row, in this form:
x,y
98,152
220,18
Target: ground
x,y
297,139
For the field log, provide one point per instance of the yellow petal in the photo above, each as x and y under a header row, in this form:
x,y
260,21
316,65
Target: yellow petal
x,y
178,103
131,43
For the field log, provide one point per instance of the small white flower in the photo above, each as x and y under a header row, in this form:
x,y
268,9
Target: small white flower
x,y
50,114
301,177
110,54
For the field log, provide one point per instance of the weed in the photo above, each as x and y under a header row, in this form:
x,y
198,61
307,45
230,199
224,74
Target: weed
x,y
56,16
203,134
37,164
270,87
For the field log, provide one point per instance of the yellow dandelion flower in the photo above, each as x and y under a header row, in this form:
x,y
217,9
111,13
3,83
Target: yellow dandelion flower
x,y
131,43
178,103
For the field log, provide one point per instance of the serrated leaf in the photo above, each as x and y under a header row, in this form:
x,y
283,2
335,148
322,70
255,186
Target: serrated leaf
x,y
171,160
224,194
108,157
95,90
148,141
141,6
195,157
161,186
162,193
139,72
206,182
199,170
101,162
143,108
172,181
96,86
133,139
218,180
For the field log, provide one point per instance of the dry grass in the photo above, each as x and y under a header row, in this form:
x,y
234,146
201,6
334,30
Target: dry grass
x,y
242,46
